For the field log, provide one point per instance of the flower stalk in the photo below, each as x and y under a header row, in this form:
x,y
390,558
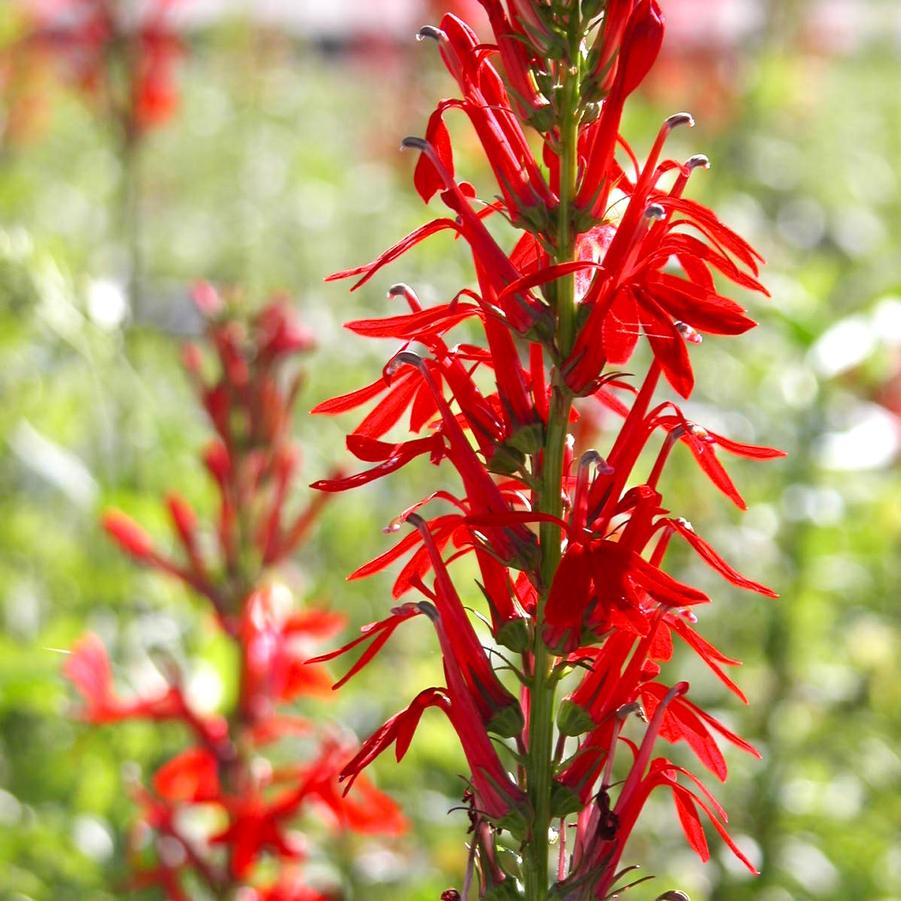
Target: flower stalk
x,y
549,495
572,565
233,765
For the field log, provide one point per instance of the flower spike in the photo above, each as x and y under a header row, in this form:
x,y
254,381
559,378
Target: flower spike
x,y
570,544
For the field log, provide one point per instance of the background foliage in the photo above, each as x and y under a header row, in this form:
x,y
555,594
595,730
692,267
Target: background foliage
x,y
280,167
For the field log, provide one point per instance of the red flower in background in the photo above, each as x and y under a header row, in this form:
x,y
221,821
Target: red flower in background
x,y
123,62
248,394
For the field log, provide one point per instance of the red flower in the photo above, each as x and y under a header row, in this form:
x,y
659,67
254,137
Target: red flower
x,y
255,826
248,394
274,655
571,564
191,776
92,39
88,668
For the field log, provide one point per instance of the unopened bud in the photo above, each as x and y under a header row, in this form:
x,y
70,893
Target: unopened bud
x,y
192,358
128,535
572,719
206,298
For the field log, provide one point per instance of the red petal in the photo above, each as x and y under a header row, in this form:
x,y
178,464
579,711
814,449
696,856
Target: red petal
x,y
352,399
621,329
191,776
708,653
425,179
753,451
667,344
716,562
392,253
691,822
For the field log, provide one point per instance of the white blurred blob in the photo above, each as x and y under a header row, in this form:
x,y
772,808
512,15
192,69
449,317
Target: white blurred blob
x,y
762,520
852,340
870,642
92,837
831,683
107,304
802,222
810,867
843,346
843,797
204,688
775,893
337,18
879,762
798,386
887,320
872,441
22,612
858,231
381,865
700,22
16,243
839,574
197,822
10,809
869,177
823,506
800,796
776,163
54,464
890,866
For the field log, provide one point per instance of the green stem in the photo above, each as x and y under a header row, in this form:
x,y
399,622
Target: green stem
x,y
541,714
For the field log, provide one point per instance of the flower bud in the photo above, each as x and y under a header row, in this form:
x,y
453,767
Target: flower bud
x,y
128,535
573,719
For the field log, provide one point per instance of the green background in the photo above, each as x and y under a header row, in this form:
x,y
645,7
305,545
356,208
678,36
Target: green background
x,y
282,166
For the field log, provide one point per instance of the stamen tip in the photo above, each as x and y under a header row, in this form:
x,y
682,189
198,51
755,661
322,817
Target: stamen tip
x,y
430,32
678,119
411,142
429,610
404,358
688,333
699,160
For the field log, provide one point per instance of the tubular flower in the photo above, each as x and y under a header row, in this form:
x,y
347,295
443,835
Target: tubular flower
x,y
570,542
248,394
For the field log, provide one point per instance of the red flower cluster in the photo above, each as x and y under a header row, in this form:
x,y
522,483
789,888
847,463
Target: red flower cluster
x,y
126,66
228,768
569,543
